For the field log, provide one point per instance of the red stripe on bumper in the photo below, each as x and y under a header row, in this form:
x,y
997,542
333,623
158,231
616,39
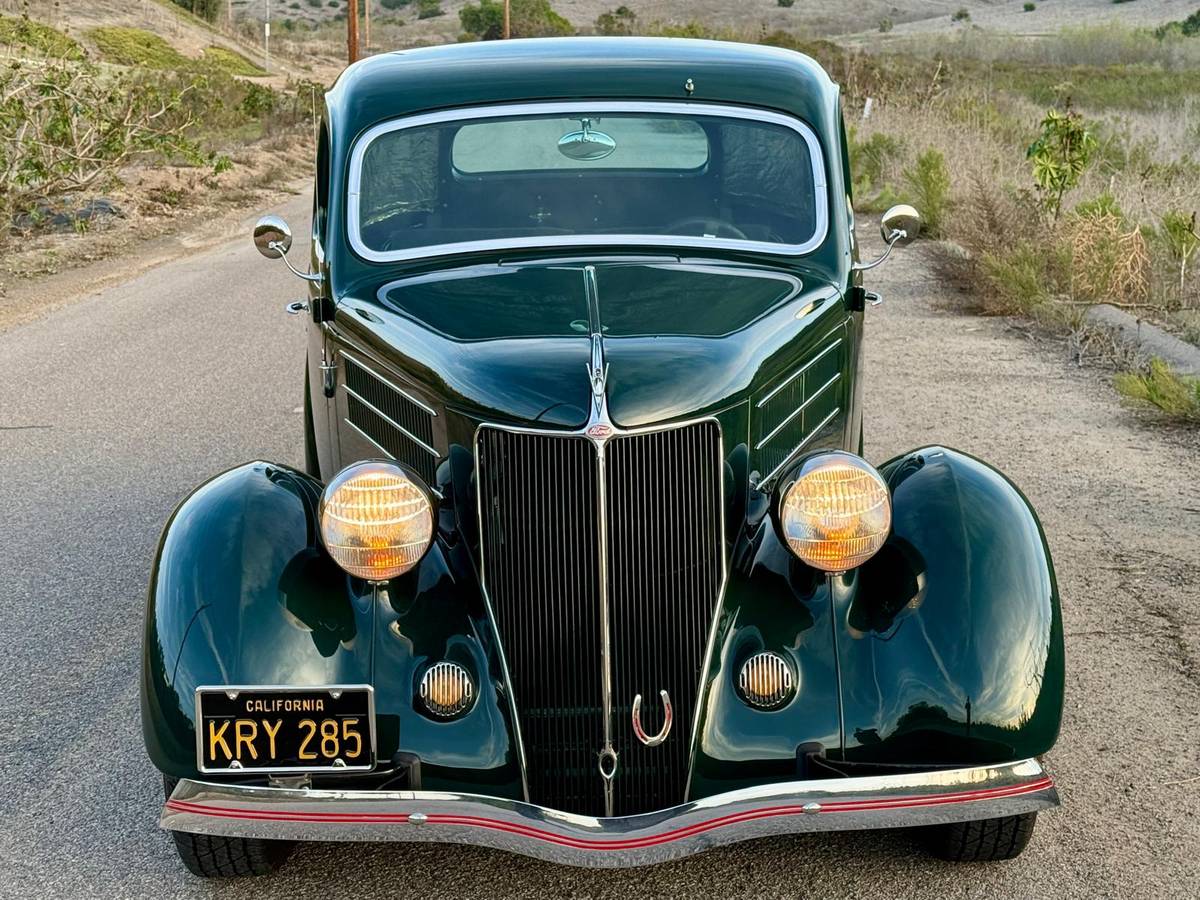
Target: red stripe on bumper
x,y
833,806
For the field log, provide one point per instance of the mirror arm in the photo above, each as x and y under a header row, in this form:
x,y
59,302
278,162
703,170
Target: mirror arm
x,y
862,267
307,276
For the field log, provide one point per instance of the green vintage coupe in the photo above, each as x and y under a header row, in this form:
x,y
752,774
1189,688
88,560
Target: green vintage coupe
x,y
585,561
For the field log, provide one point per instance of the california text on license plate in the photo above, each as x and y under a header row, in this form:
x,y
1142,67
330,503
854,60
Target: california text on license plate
x,y
285,729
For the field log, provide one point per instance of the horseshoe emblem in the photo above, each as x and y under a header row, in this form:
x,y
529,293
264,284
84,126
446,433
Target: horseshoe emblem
x,y
668,716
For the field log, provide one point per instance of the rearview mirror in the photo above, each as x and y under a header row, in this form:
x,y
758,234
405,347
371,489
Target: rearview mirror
x,y
272,237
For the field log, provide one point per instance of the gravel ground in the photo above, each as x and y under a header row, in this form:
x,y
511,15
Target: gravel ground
x,y
126,399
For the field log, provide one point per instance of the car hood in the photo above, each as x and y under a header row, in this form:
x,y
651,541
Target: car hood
x,y
513,342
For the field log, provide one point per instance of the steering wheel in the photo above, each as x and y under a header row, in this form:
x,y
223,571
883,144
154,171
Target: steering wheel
x,y
703,225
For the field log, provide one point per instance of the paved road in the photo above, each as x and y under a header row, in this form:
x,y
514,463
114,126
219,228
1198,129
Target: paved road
x,y
115,406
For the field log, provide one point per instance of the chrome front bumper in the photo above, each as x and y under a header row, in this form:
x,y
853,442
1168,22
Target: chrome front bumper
x,y
889,801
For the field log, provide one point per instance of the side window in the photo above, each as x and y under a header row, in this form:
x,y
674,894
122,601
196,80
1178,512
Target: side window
x,y
321,191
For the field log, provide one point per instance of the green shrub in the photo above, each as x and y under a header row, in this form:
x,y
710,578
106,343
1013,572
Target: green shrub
x,y
1179,233
429,9
136,47
620,21
1030,7
786,4
1018,278
41,39
928,181
209,10
387,4
886,25
529,18
962,14
1159,385
230,62
1103,205
1060,156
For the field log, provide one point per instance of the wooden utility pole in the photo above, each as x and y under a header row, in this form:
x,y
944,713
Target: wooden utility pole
x,y
507,19
352,30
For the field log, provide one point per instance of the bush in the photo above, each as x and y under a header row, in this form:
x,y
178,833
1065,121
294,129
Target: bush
x,y
886,25
1030,7
230,62
929,183
1110,262
41,39
962,14
786,4
620,21
1060,156
68,127
135,47
1160,386
429,9
530,18
386,4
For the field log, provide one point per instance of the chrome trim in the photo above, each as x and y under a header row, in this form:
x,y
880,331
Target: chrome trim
x,y
372,440
817,158
283,689
762,483
399,390
432,488
804,368
761,664
456,673
668,717
835,804
404,431
790,417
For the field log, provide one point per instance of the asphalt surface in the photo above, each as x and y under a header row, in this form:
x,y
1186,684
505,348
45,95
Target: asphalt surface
x,y
117,405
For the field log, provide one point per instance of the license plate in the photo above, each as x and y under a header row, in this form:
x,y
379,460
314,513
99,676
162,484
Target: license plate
x,y
285,729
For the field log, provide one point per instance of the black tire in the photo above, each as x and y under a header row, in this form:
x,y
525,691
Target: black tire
x,y
212,856
311,465
983,840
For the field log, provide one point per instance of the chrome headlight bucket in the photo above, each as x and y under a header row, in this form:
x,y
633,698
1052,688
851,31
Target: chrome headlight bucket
x,y
376,520
835,511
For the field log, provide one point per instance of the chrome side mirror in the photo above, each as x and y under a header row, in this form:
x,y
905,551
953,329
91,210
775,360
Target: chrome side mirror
x,y
899,227
273,239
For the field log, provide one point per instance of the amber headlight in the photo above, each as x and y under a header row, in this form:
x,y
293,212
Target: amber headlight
x,y
836,513
376,520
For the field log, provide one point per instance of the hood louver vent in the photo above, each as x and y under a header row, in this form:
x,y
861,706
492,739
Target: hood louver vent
x,y
391,419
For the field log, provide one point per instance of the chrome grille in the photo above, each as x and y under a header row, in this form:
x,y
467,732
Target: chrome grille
x,y
539,496
664,509
538,519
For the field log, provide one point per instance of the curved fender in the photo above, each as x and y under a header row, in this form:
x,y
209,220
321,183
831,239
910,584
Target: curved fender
x,y
242,592
949,640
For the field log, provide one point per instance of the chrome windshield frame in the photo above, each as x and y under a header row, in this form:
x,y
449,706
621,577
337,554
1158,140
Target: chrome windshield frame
x,y
363,142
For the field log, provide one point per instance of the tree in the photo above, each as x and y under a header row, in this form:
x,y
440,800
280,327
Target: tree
x,y
530,18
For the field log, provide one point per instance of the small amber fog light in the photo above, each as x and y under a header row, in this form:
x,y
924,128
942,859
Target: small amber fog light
x,y
447,689
766,681
376,520
837,513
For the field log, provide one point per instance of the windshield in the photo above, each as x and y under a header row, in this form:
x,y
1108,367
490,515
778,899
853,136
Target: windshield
x,y
662,174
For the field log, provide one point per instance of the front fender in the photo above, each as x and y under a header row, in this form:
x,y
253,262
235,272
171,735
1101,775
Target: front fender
x,y
243,593
949,640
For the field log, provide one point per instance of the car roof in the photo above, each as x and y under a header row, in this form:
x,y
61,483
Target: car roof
x,y
491,72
